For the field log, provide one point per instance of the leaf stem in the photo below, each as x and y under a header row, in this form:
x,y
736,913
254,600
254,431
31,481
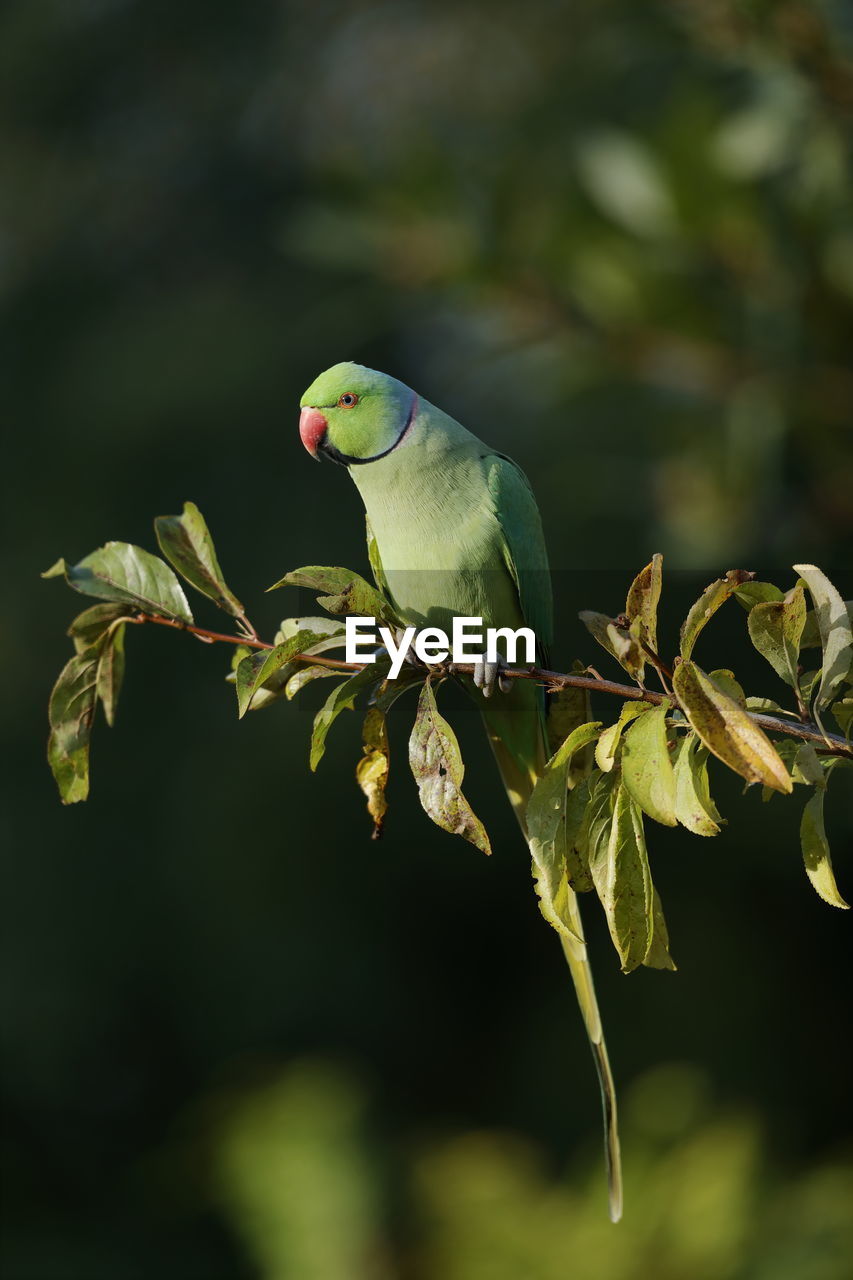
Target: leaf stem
x,y
831,743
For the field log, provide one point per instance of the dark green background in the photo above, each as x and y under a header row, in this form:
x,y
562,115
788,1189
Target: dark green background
x,y
616,240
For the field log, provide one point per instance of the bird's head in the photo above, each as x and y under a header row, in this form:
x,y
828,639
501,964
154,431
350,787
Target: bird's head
x,y
355,415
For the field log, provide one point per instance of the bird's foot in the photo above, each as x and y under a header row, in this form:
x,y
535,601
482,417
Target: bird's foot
x,y
487,676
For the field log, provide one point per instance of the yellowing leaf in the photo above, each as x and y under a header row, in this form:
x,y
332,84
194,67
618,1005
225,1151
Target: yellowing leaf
x,y
546,828
436,764
693,805
608,743
727,730
707,605
641,605
816,851
372,769
776,628
620,871
647,768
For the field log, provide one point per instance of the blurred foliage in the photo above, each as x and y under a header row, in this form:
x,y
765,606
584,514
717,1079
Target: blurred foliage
x,y
613,239
300,1181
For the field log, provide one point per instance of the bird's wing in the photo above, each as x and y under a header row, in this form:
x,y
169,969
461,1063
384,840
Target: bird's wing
x,y
524,545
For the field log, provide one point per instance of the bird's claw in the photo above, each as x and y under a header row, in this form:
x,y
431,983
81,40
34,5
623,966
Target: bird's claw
x,y
487,676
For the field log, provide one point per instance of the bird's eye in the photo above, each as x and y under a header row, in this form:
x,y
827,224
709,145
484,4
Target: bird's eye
x,y
348,399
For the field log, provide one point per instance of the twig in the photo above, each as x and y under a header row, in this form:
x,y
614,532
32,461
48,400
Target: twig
x,y
831,743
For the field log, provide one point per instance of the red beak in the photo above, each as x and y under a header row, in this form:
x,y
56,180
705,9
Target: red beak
x,y
312,427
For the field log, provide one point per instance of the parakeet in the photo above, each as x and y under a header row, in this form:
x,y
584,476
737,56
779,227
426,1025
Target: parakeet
x,y
458,533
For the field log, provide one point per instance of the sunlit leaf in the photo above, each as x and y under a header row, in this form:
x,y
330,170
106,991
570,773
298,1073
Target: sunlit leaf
x,y
127,574
752,593
693,805
620,871
726,682
641,606
618,641
727,730
811,638
835,633
437,767
342,698
707,605
344,592
647,767
186,542
372,769
305,675
546,828
657,956
776,628
608,743
816,854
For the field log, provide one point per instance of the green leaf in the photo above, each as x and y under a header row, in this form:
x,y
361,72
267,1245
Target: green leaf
x,y
303,676
437,767
607,746
71,711
835,634
261,666
811,632
619,642
577,802
641,605
342,699
345,592
547,833
750,594
694,807
623,882
111,671
776,628
568,708
127,574
727,684
807,767
91,626
816,855
707,605
727,730
186,542
647,768
330,629
657,956
843,713
594,831
372,769
388,693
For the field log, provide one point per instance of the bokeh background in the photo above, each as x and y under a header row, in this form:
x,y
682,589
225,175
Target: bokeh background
x,y
616,240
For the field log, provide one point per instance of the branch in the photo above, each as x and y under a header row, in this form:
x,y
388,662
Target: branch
x,y
831,743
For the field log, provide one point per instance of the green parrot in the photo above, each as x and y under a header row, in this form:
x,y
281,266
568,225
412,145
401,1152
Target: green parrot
x,y
458,533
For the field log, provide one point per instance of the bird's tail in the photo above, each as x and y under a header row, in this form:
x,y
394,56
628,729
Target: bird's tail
x,y
519,779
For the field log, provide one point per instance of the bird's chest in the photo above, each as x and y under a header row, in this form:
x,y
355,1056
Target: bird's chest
x,y
441,548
